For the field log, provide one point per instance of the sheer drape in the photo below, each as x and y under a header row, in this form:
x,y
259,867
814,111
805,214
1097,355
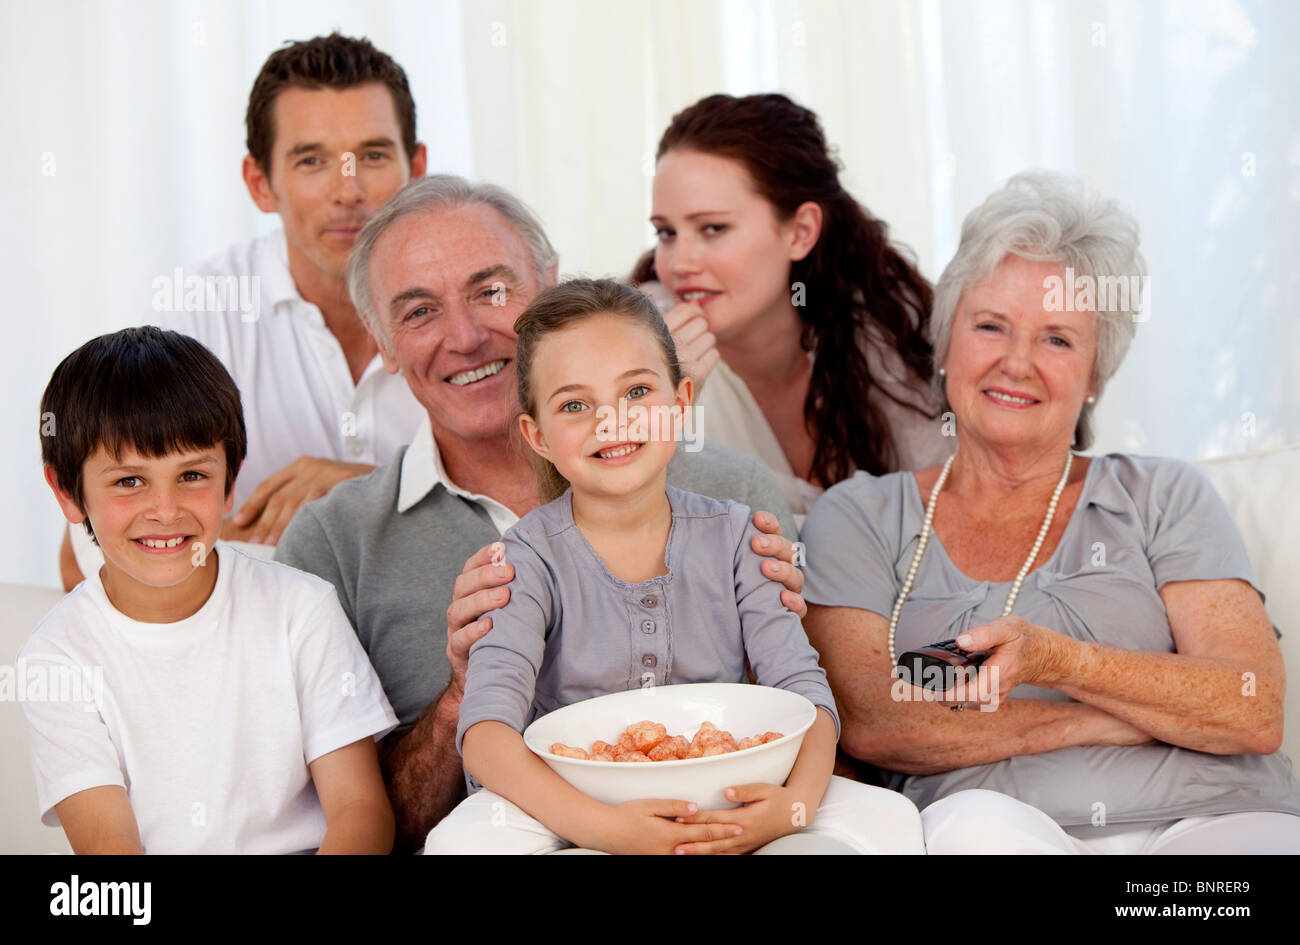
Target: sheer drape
x,y
125,125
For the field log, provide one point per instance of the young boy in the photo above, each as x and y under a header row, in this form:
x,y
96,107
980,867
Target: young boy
x,y
206,701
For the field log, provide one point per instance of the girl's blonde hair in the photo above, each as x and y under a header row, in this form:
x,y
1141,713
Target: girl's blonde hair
x,y
563,305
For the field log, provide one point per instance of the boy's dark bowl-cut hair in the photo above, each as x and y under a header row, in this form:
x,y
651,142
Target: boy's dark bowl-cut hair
x,y
147,389
326,62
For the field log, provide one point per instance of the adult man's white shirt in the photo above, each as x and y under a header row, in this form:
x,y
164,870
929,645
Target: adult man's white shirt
x,y
298,395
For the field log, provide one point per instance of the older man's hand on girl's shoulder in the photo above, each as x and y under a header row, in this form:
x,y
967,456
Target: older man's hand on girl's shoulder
x,y
480,588
781,568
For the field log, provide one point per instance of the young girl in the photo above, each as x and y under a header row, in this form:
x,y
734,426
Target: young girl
x,y
619,578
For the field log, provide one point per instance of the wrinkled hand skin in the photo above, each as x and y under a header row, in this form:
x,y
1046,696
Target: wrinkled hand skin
x,y
267,512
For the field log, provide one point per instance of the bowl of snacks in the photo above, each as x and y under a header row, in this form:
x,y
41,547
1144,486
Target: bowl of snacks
x,y
686,743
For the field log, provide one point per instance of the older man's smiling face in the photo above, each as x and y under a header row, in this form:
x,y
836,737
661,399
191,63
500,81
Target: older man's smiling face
x,y
447,287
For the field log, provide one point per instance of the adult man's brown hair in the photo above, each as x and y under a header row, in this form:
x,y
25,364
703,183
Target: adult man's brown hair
x,y
334,62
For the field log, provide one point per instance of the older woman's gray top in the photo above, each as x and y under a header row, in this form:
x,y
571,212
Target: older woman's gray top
x,y
572,630
1140,522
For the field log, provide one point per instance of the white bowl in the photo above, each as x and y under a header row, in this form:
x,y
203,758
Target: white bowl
x,y
743,710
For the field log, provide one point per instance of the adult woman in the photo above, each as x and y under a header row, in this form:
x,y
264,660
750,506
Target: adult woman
x,y
1146,680
819,322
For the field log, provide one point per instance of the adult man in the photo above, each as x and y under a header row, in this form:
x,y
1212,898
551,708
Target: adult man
x,y
440,274
330,136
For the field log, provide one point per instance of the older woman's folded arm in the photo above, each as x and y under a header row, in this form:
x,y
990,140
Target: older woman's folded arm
x,y
1222,692
915,737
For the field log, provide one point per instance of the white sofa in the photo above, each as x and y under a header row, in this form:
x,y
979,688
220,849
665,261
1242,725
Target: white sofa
x,y
1252,485
21,830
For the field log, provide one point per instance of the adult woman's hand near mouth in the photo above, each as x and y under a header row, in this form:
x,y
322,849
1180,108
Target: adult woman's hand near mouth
x,y
786,293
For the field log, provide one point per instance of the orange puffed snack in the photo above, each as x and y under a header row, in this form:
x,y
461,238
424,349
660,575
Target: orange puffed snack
x,y
696,749
670,749
646,735
718,743
650,741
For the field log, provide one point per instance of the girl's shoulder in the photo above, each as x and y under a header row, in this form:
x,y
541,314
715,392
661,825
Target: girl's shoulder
x,y
696,505
545,521
721,524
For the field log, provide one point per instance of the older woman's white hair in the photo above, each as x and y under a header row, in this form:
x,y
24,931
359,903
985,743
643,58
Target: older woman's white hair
x,y
1048,217
429,194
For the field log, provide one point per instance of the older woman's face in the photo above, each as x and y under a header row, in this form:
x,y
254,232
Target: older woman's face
x,y
1017,373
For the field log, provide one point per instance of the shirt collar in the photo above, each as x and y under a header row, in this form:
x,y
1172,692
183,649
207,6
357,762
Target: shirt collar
x,y
272,267
422,470
1104,490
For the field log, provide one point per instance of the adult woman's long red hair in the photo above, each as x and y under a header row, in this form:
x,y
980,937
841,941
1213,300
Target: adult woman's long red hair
x,y
853,280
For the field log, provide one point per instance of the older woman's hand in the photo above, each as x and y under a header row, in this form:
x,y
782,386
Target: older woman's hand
x,y
1020,653
1221,691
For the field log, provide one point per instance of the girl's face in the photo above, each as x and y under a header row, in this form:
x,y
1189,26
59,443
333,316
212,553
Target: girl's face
x,y
581,374
723,244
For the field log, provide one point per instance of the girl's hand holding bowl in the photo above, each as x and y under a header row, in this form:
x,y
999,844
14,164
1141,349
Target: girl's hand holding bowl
x,y
739,708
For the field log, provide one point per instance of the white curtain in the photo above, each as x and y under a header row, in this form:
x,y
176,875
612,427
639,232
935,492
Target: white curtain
x,y
125,125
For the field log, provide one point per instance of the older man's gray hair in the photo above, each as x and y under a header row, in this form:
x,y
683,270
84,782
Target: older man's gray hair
x,y
1049,217
432,193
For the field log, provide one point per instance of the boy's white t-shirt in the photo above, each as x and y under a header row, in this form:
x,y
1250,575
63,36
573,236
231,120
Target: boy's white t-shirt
x,y
209,723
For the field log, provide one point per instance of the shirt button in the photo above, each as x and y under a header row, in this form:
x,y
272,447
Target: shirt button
x,y
648,660
647,626
649,602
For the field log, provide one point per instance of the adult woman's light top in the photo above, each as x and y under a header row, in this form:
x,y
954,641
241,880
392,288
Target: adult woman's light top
x,y
1140,522
730,415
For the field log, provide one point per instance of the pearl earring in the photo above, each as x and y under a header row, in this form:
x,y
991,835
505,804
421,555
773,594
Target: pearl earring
x,y
1090,399
942,372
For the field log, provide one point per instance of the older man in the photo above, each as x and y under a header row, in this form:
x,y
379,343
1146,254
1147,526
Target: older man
x,y
440,274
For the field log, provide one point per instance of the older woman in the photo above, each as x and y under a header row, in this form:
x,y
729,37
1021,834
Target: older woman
x,y
1135,680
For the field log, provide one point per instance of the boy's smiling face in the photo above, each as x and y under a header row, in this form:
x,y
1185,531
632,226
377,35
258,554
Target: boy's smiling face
x,y
156,519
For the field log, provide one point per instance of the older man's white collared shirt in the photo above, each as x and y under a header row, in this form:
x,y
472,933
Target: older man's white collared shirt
x,y
422,469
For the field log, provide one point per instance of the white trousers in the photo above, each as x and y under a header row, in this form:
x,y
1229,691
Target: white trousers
x,y
979,821
853,818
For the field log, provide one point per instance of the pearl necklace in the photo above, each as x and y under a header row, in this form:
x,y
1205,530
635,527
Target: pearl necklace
x,y
925,538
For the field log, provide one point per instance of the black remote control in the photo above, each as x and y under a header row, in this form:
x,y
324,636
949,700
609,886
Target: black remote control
x,y
934,667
